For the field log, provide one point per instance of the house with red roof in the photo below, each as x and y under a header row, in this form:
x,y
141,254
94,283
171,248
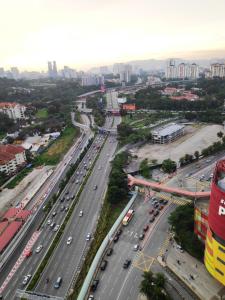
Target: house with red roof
x,y
12,157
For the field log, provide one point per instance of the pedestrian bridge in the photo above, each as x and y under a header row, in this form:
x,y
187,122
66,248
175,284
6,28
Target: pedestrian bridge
x,y
167,189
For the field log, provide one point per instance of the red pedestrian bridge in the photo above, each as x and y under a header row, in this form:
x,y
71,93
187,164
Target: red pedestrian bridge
x,y
163,188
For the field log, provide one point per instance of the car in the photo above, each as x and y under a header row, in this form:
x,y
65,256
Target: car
x,y
126,264
62,208
39,248
81,213
67,198
94,285
90,297
180,248
136,247
161,207
56,228
165,202
156,213
67,192
116,238
88,237
69,240
28,253
78,172
52,225
81,173
77,181
62,199
103,265
109,252
152,219
156,205
67,208
119,232
26,279
58,283
208,160
151,211
146,228
54,213
95,187
141,236
49,221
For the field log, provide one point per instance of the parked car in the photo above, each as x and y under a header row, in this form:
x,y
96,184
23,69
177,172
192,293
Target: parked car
x,y
156,213
103,265
127,263
151,211
146,228
141,236
152,219
116,238
90,297
49,221
119,232
62,199
165,202
94,285
54,213
136,247
109,252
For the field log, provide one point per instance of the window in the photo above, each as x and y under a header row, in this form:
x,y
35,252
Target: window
x,y
220,260
220,272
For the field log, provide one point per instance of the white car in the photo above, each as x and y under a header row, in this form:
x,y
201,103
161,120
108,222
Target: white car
x,y
77,181
88,237
56,228
39,248
49,221
26,279
136,247
78,172
81,213
69,240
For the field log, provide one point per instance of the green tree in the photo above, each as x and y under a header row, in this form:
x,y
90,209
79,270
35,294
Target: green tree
x,y
169,166
220,134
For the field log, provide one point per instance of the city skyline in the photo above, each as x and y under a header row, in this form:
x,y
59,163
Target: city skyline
x,y
84,34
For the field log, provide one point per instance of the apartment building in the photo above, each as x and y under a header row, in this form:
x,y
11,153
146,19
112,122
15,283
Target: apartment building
x,y
14,110
11,158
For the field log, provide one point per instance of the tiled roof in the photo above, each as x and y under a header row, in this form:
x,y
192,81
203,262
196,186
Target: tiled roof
x,y
8,152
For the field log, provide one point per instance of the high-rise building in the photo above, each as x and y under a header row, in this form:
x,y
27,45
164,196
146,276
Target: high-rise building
x,y
2,72
104,70
182,71
117,68
217,70
52,69
125,73
215,238
90,79
15,72
69,73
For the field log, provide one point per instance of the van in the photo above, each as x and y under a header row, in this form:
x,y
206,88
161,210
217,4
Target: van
x,y
58,283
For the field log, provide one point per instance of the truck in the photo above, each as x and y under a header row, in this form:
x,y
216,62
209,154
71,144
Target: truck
x,y
128,217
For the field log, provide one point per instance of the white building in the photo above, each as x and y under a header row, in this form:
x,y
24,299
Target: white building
x,y
217,70
11,157
125,73
13,110
91,79
182,71
168,133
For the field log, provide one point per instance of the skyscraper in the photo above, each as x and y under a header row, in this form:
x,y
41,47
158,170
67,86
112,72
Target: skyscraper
x,y
125,73
49,69
55,72
52,69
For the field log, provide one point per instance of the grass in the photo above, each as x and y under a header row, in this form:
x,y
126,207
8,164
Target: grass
x,y
55,151
18,178
42,113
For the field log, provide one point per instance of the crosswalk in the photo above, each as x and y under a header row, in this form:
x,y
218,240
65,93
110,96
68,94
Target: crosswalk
x,y
165,245
173,199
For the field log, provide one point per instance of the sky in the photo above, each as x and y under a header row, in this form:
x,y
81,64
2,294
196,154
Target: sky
x,y
86,33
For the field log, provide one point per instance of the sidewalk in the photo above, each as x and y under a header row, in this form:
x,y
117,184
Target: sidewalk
x,y
194,274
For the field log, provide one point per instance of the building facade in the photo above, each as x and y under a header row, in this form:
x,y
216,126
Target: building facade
x,y
15,111
217,70
91,79
214,257
11,158
168,133
182,71
125,73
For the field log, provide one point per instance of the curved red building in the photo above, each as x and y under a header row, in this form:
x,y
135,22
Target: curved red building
x,y
215,241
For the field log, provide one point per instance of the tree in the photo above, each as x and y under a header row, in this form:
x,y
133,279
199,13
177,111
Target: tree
x,y
169,166
196,154
220,134
153,286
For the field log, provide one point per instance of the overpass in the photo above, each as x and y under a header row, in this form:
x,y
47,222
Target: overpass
x,y
167,189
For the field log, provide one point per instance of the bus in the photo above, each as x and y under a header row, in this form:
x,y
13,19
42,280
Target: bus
x,y
128,217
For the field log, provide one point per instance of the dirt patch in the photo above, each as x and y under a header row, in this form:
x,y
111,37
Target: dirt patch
x,y
196,138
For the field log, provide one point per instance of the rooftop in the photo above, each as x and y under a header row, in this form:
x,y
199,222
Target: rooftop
x,y
170,129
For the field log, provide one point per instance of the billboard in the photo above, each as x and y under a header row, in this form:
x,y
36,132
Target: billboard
x,y
216,218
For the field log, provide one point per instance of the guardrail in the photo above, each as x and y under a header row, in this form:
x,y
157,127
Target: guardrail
x,y
101,250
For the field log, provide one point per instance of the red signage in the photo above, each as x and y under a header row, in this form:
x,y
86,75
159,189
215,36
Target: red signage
x,y
216,218
129,106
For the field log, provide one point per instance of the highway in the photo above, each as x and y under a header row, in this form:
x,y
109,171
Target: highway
x,y
119,284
